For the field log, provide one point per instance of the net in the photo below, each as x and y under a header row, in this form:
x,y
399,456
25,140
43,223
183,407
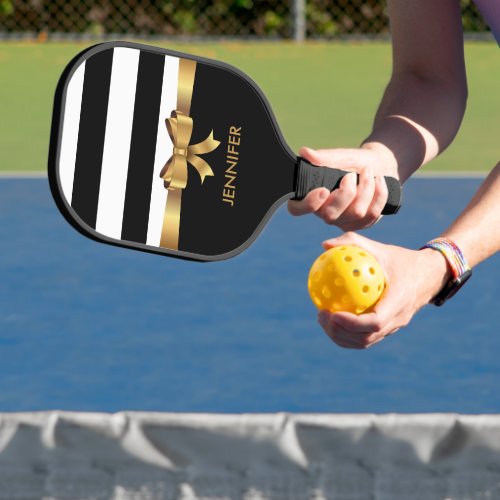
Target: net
x,y
159,456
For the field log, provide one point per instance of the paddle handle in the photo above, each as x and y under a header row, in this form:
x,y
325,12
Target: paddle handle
x,y
309,177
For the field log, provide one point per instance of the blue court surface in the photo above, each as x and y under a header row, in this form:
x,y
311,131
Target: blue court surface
x,y
91,327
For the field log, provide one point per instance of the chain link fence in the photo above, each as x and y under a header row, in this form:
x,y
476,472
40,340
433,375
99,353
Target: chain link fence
x,y
206,18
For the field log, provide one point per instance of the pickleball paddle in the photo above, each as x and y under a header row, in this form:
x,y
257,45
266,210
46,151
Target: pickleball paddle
x,y
171,153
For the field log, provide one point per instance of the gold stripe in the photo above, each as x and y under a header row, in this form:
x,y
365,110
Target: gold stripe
x,y
171,220
187,70
172,216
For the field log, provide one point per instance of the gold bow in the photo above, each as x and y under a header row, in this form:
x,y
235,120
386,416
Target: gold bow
x,y
174,173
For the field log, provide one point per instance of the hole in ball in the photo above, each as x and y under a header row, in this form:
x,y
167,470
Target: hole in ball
x,y
356,273
346,299
317,300
366,289
348,258
372,270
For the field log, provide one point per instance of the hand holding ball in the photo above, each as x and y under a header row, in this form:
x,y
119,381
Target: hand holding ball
x,y
346,278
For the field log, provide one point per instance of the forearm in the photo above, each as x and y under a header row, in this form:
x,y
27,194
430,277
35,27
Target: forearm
x,y
424,103
477,230
416,120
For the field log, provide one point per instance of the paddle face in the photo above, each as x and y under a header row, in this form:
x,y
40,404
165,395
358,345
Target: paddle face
x,y
164,152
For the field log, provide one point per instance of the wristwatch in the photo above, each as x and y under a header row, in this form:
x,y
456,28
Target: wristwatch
x,y
459,267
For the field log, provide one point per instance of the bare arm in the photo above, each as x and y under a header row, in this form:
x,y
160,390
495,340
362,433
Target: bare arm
x,y
418,117
477,230
425,100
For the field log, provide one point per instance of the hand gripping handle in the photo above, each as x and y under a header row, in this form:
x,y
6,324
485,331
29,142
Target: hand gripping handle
x,y
309,177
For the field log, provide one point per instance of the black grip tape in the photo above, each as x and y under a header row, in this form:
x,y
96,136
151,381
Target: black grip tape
x,y
310,177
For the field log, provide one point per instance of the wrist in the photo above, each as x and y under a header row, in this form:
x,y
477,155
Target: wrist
x,y
437,272
387,160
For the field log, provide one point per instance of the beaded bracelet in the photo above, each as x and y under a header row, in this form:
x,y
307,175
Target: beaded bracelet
x,y
452,254
460,269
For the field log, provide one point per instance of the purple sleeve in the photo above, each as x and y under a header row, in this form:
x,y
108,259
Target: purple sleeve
x,y
490,9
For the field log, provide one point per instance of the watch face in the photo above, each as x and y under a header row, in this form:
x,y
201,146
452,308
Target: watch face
x,y
451,288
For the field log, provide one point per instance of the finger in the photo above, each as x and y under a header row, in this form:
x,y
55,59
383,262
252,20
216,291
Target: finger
x,y
358,224
380,196
362,324
372,343
338,201
338,334
346,338
341,340
375,339
353,218
385,317
311,203
365,191
324,318
353,339
362,340
344,344
310,155
393,332
393,311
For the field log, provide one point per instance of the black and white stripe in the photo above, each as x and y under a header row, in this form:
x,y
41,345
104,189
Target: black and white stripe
x,y
115,143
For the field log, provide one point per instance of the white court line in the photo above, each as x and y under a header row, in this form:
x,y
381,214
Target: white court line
x,y
12,174
455,174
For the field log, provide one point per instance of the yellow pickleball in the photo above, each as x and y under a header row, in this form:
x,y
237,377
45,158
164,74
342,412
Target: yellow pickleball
x,y
346,278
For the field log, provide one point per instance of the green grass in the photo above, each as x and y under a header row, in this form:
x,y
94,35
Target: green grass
x,y
323,94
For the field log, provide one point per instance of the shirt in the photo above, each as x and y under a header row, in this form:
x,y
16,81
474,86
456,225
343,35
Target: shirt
x,y
490,9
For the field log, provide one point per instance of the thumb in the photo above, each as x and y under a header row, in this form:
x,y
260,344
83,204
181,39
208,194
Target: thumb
x,y
349,238
339,157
